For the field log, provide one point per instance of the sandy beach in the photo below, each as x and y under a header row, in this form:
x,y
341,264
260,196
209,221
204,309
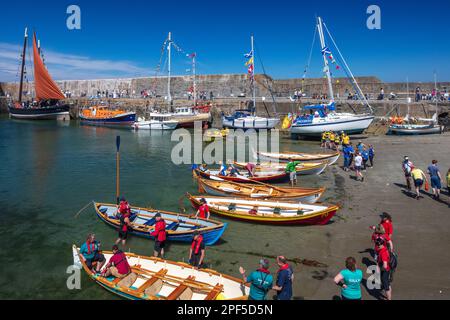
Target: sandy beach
x,y
421,227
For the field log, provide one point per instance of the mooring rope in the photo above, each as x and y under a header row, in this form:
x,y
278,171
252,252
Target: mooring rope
x,y
79,212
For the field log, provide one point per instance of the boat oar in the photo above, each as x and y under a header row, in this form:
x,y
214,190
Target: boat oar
x,y
79,212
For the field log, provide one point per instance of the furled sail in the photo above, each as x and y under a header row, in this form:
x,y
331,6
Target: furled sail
x,y
46,88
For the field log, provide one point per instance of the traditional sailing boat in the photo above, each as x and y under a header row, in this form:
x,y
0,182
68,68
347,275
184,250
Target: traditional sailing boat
x,y
325,117
246,119
48,94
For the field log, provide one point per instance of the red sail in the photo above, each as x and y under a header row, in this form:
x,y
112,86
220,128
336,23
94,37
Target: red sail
x,y
46,88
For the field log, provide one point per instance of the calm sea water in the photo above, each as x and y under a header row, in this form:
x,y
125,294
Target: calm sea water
x,y
50,170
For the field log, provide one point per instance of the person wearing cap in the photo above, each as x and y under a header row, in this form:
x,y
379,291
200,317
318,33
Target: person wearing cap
x,y
285,277
197,250
261,281
117,265
349,279
90,253
159,234
203,210
383,257
407,167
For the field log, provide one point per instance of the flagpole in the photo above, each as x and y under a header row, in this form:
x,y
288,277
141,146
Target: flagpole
x,y
325,61
253,77
195,86
169,96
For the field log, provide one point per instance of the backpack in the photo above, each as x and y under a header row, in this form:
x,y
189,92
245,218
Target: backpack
x,y
393,260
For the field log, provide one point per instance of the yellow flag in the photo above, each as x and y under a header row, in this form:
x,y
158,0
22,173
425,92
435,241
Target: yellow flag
x,y
250,61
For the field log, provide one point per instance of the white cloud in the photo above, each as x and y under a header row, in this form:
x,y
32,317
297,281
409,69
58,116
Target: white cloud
x,y
64,66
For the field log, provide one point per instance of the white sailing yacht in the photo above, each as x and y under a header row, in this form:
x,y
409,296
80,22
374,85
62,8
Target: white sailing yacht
x,y
324,117
247,119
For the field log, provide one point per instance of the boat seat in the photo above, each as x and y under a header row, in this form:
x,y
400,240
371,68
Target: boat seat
x,y
182,292
128,280
212,295
150,222
153,285
173,226
103,210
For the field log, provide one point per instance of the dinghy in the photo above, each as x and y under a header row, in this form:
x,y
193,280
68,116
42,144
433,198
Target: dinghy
x,y
263,191
275,176
156,279
267,211
331,158
414,129
305,168
179,227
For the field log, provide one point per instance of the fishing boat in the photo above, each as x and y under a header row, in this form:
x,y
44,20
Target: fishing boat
x,y
179,227
101,115
263,191
323,117
156,279
409,126
48,104
247,119
157,121
244,176
267,211
331,158
304,168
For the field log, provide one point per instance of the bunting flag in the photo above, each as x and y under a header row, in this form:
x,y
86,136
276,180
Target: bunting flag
x,y
192,55
250,69
250,61
327,51
248,55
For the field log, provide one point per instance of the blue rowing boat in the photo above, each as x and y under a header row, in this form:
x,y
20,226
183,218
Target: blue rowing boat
x,y
179,227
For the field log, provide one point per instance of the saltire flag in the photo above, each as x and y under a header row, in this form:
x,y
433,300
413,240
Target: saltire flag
x,y
249,55
326,51
250,61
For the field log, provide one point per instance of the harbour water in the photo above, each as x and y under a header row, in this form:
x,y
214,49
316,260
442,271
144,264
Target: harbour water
x,y
49,170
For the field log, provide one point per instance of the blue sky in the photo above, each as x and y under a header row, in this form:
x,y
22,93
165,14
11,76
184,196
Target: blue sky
x,y
124,38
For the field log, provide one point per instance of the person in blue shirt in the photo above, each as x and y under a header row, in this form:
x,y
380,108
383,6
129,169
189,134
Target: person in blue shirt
x,y
435,178
349,280
285,277
360,146
261,281
371,155
222,170
90,253
347,157
365,156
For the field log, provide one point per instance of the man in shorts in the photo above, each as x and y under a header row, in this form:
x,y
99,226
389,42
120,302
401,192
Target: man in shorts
x,y
384,267
90,253
292,171
160,236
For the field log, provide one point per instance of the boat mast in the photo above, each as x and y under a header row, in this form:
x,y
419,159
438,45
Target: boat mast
x,y
169,96
195,84
325,61
435,86
407,95
253,77
23,64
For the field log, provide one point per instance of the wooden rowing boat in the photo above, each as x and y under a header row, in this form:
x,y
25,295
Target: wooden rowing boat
x,y
247,190
156,279
275,176
179,227
268,211
304,168
331,158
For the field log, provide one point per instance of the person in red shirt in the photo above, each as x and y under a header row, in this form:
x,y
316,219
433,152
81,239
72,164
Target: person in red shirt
x,y
380,233
160,236
124,211
386,222
203,210
251,169
197,250
384,267
118,264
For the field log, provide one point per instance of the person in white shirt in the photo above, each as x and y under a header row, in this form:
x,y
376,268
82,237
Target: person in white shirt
x,y
358,162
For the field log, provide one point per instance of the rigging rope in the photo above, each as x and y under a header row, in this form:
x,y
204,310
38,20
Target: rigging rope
x,y
310,56
274,103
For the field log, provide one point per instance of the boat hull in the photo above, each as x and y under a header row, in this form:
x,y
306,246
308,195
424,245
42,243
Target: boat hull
x,y
279,177
353,126
125,120
149,125
301,171
321,218
250,123
50,113
212,231
414,129
304,157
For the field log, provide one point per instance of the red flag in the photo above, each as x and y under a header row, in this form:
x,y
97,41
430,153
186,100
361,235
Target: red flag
x,y
250,69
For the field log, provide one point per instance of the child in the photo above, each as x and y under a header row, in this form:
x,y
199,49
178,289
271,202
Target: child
x,y
371,155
